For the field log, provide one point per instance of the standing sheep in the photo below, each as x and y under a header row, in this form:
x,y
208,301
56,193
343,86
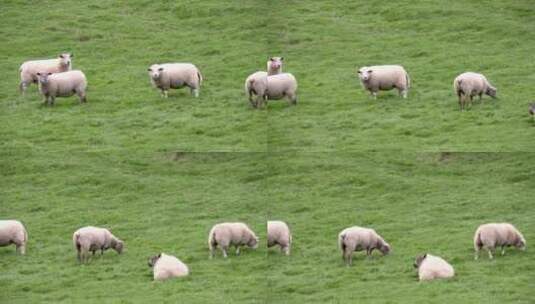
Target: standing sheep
x,y
469,84
29,69
13,232
256,83
278,233
62,85
494,235
431,267
167,266
357,239
280,86
225,235
92,239
175,76
384,78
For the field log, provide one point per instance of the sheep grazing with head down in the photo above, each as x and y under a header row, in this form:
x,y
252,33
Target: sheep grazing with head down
x,y
432,267
13,232
29,69
357,239
256,83
383,78
225,235
92,239
167,266
469,84
494,235
175,76
278,233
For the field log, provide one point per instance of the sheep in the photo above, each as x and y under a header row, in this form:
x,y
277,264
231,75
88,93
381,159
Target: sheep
x,y
13,232
62,85
225,235
493,235
29,69
167,266
432,267
256,83
167,76
280,86
278,233
532,111
92,239
357,239
469,84
384,78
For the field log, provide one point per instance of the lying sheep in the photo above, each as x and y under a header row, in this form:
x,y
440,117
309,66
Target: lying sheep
x,y
494,235
175,76
278,233
167,266
469,84
384,78
13,232
225,235
431,267
62,85
29,69
92,239
357,239
256,83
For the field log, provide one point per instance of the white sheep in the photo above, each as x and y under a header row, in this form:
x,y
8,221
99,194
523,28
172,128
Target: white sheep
x,y
383,78
278,233
92,239
357,239
225,235
29,69
167,76
280,86
13,232
62,85
432,267
256,83
494,235
167,266
469,84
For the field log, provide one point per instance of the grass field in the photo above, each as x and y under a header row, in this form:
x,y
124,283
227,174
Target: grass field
x,y
159,173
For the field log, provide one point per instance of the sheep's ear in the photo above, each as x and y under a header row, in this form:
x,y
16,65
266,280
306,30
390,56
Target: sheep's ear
x,y
425,255
282,58
38,74
160,69
270,58
369,71
49,74
159,255
60,55
359,72
71,55
149,70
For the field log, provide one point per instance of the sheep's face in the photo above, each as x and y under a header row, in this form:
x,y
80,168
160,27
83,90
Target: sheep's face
x,y
275,63
119,246
419,260
253,242
154,259
155,72
65,59
385,249
364,74
491,91
43,77
521,244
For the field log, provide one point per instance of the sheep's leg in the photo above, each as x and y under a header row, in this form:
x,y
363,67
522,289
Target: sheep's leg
x,y
79,256
93,252
490,253
503,250
374,94
293,99
224,250
368,252
52,100
237,249
22,87
164,93
476,256
82,97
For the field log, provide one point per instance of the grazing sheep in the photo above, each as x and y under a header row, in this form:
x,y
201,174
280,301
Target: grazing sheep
x,y
357,239
29,69
175,76
431,267
278,233
92,239
225,235
384,78
167,266
532,111
62,85
13,232
469,84
256,83
494,235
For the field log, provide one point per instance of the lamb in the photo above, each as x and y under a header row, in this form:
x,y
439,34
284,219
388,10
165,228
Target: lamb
x,y
256,83
92,239
469,84
167,266
278,233
384,78
29,69
175,76
225,235
13,232
493,235
432,267
62,85
357,239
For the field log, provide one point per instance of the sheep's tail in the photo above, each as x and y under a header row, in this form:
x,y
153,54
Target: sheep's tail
x,y
477,240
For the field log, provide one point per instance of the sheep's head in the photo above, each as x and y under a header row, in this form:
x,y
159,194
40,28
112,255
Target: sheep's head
x,y
65,59
43,77
155,71
118,246
419,260
521,243
491,91
154,259
385,249
275,63
364,73
253,242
